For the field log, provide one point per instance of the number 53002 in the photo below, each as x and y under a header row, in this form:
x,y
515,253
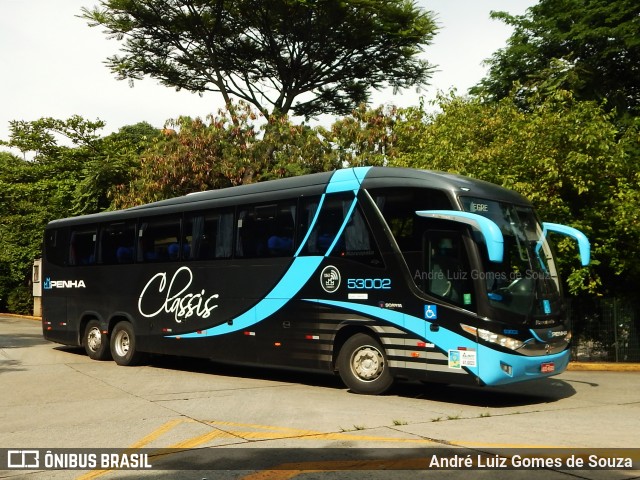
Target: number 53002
x,y
369,283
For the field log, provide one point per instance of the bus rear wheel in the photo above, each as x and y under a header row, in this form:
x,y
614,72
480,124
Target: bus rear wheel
x,y
123,345
363,365
95,343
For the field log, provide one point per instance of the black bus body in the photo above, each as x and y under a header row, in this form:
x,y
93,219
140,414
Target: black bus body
x,y
375,273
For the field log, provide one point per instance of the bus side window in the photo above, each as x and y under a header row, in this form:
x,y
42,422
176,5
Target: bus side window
x,y
398,207
159,239
117,243
82,246
328,221
357,242
56,246
208,235
266,230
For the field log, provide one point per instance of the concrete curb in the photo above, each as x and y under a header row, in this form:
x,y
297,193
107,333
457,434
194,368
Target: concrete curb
x,y
573,366
26,317
603,367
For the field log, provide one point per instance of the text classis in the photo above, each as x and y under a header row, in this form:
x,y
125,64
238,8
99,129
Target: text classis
x,y
176,299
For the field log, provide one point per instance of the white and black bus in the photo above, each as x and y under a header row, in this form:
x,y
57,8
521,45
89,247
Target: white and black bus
x,y
375,273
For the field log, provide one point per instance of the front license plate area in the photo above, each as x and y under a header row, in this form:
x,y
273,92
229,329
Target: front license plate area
x,y
547,367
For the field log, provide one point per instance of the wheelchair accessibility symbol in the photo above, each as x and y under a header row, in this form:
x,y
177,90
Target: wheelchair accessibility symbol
x,y
431,312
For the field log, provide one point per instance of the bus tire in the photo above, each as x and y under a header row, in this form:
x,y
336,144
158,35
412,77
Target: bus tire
x,y
95,343
123,345
363,366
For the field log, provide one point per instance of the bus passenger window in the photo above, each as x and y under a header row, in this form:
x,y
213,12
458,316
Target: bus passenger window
x,y
82,246
159,239
266,230
327,222
117,243
357,242
208,235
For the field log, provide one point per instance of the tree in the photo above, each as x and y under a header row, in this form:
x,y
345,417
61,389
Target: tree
x,y
366,137
301,56
113,162
233,147
59,180
31,194
589,47
566,156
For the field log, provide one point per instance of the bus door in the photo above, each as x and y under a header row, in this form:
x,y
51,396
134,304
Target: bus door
x,y
448,276
449,279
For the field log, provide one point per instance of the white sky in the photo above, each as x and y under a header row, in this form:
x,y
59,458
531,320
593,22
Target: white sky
x,y
52,64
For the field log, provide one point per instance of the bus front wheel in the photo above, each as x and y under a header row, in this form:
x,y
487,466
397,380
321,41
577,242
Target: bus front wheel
x,y
95,343
363,365
123,345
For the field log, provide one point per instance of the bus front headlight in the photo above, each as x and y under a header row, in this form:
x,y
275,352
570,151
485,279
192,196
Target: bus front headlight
x,y
492,337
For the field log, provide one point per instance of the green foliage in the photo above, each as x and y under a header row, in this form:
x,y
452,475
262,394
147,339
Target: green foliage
x,y
234,147
589,47
113,163
564,155
59,181
305,57
31,193
366,137
20,300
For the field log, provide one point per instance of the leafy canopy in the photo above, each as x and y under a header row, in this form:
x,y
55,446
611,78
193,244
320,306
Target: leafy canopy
x,y
302,56
566,156
589,47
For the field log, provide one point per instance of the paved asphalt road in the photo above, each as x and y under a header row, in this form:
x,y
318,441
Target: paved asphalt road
x,y
259,424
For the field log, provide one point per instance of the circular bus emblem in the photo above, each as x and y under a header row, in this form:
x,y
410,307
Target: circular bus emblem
x,y
330,279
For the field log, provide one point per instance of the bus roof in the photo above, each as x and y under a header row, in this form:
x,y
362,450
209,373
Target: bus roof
x,y
313,184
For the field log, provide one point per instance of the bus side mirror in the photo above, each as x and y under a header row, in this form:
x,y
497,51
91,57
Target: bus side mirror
x,y
583,242
489,230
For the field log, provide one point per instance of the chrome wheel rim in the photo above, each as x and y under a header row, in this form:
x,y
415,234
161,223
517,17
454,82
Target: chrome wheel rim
x,y
122,343
367,363
94,339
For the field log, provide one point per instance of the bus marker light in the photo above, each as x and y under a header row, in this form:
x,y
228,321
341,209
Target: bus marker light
x,y
167,330
421,344
278,344
250,334
312,337
415,354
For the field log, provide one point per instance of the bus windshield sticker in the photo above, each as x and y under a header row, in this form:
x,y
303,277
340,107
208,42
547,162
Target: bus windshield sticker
x,y
478,207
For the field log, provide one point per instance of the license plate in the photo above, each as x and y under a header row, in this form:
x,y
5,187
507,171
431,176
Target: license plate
x,y
547,367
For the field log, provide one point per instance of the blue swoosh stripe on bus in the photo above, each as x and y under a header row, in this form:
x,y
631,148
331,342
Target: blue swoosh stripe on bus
x,y
292,281
342,227
311,225
488,363
298,274
443,338
347,179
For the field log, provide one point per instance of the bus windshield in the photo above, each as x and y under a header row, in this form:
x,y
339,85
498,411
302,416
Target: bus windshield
x,y
526,281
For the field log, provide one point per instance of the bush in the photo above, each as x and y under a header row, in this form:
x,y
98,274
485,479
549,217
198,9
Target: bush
x,y
20,300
